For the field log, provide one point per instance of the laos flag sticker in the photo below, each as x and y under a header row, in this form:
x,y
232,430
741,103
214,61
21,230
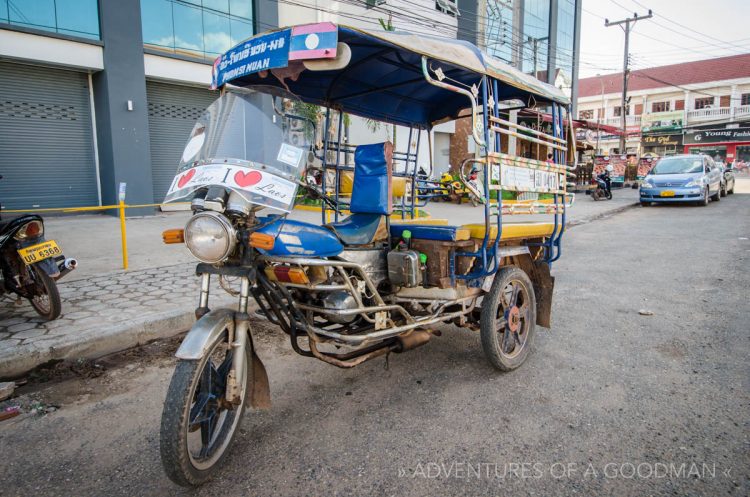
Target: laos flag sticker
x,y
314,41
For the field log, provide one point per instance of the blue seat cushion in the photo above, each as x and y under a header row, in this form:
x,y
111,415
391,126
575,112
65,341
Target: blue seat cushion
x,y
358,229
371,190
430,232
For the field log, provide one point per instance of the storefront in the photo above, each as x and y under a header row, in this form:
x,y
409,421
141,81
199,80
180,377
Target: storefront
x,y
661,144
725,144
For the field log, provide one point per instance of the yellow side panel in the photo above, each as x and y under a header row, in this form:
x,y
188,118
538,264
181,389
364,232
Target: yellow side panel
x,y
513,230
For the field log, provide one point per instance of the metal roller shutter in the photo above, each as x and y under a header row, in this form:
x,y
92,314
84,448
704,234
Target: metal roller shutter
x,y
46,142
172,112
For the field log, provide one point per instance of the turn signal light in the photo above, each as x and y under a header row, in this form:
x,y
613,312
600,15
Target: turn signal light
x,y
262,241
173,236
287,274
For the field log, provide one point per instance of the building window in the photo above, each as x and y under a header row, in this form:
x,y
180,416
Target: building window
x,y
204,29
660,107
618,111
535,45
447,7
78,18
745,99
703,102
679,104
499,35
586,114
725,101
374,3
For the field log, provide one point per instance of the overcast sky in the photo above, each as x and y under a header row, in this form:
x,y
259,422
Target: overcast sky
x,y
712,29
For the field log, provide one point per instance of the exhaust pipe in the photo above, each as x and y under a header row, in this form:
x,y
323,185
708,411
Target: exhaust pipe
x,y
67,266
413,340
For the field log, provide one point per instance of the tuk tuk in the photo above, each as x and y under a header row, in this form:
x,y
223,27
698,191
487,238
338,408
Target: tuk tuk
x,y
376,278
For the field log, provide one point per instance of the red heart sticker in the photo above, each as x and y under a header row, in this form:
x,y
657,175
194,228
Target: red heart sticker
x,y
185,179
247,179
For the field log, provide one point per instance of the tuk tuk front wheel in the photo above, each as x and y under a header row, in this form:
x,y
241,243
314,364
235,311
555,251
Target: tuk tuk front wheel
x,y
198,424
508,319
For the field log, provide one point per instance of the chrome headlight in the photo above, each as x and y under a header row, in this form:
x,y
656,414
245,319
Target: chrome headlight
x,y
646,184
694,182
210,237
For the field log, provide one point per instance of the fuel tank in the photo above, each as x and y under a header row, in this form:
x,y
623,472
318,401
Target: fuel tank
x,y
297,238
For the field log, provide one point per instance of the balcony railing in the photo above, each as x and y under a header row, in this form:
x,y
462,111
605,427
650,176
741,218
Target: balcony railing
x,y
742,111
629,121
712,114
717,114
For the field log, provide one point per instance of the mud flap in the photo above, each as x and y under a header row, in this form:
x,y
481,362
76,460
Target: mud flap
x,y
544,284
260,391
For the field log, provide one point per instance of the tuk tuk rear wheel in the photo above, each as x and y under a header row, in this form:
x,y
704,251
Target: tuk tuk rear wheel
x,y
508,319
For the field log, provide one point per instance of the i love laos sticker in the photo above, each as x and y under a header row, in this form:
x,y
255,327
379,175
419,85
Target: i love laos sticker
x,y
238,178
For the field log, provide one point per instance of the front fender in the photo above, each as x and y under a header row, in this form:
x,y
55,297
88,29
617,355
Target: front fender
x,y
204,332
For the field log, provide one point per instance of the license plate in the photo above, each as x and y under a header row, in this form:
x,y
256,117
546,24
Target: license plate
x,y
667,193
39,252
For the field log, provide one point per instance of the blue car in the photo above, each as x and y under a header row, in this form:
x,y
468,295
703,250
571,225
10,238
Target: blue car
x,y
682,178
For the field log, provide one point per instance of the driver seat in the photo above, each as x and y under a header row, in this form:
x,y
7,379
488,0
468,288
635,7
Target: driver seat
x,y
372,197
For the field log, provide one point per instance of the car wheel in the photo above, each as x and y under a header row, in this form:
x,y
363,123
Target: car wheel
x,y
729,192
704,202
716,196
645,204
723,190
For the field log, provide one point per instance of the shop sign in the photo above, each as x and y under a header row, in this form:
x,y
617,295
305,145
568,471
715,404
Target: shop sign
x,y
661,140
662,121
717,135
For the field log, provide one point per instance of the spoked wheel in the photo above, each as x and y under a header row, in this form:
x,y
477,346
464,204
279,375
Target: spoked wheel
x,y
609,195
508,319
198,423
46,299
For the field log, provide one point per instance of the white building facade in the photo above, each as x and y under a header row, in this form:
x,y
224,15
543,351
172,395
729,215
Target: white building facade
x,y
669,106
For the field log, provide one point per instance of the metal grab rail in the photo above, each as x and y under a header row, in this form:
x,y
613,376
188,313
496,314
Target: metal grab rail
x,y
520,136
500,120
474,131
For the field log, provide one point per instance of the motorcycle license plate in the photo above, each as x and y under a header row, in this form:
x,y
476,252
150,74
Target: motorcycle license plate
x,y
667,193
39,252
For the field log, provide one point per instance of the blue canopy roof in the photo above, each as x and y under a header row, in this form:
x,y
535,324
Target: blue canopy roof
x,y
384,81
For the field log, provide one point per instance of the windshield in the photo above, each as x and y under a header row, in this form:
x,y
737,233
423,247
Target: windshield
x,y
248,142
678,165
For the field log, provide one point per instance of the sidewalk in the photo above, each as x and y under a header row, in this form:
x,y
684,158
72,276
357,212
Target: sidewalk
x,y
106,309
102,315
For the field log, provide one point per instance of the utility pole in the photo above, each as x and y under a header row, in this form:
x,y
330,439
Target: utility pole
x,y
535,48
625,24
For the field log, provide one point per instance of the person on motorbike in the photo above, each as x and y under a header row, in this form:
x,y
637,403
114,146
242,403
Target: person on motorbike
x,y
607,179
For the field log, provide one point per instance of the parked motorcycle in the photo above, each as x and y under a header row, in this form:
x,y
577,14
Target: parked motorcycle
x,y
31,265
603,185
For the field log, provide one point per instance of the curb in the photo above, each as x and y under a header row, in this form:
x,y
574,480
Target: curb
x,y
93,343
602,215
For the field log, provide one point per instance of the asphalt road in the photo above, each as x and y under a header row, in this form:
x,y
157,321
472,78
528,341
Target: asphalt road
x,y
611,402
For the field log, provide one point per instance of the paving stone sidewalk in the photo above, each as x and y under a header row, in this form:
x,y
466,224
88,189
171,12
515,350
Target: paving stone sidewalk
x,y
101,315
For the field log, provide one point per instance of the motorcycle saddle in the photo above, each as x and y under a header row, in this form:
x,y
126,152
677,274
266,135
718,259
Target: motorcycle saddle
x,y
372,196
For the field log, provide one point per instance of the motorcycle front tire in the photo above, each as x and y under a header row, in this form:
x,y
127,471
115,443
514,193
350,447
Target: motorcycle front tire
x,y
177,458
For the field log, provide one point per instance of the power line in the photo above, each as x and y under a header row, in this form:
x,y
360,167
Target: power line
x,y
683,26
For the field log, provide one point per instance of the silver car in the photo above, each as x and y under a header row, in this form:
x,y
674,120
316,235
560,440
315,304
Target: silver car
x,y
682,178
